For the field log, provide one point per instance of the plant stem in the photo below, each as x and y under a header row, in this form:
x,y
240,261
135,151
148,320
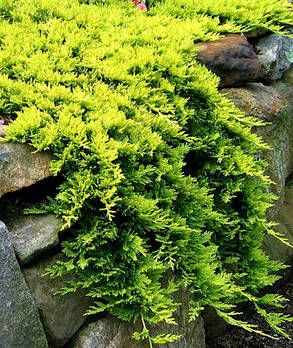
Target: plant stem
x,y
144,326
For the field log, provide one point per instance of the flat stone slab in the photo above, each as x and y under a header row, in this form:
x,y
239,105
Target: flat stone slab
x,y
20,167
20,321
33,234
61,315
232,58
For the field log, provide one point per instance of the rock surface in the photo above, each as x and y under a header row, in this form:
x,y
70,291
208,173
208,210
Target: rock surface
x,y
20,322
33,234
214,326
256,33
232,58
110,332
2,130
256,99
276,54
282,136
268,104
19,167
276,249
62,316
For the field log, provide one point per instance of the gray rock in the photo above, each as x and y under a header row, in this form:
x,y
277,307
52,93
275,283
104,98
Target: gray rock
x,y
20,322
62,316
20,168
276,249
276,54
33,234
110,332
2,130
280,137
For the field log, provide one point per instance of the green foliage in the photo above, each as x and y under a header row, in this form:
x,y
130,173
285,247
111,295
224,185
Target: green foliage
x,y
249,14
161,170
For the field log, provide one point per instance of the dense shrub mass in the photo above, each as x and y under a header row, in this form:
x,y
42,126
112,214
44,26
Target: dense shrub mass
x,y
161,171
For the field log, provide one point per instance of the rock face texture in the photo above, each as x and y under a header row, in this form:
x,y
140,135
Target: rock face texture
x,y
276,249
269,105
276,54
20,322
256,99
274,105
62,316
111,332
19,167
33,234
2,130
232,58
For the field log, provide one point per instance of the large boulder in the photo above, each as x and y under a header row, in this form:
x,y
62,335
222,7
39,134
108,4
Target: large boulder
x,y
232,58
62,316
110,332
20,167
33,234
276,55
20,322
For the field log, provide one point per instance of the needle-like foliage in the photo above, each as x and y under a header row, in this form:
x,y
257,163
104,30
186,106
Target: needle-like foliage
x,y
161,171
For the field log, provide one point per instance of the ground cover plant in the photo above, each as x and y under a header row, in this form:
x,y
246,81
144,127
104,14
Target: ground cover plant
x,y
162,173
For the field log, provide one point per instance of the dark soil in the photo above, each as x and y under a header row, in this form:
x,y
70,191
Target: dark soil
x,y
235,337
